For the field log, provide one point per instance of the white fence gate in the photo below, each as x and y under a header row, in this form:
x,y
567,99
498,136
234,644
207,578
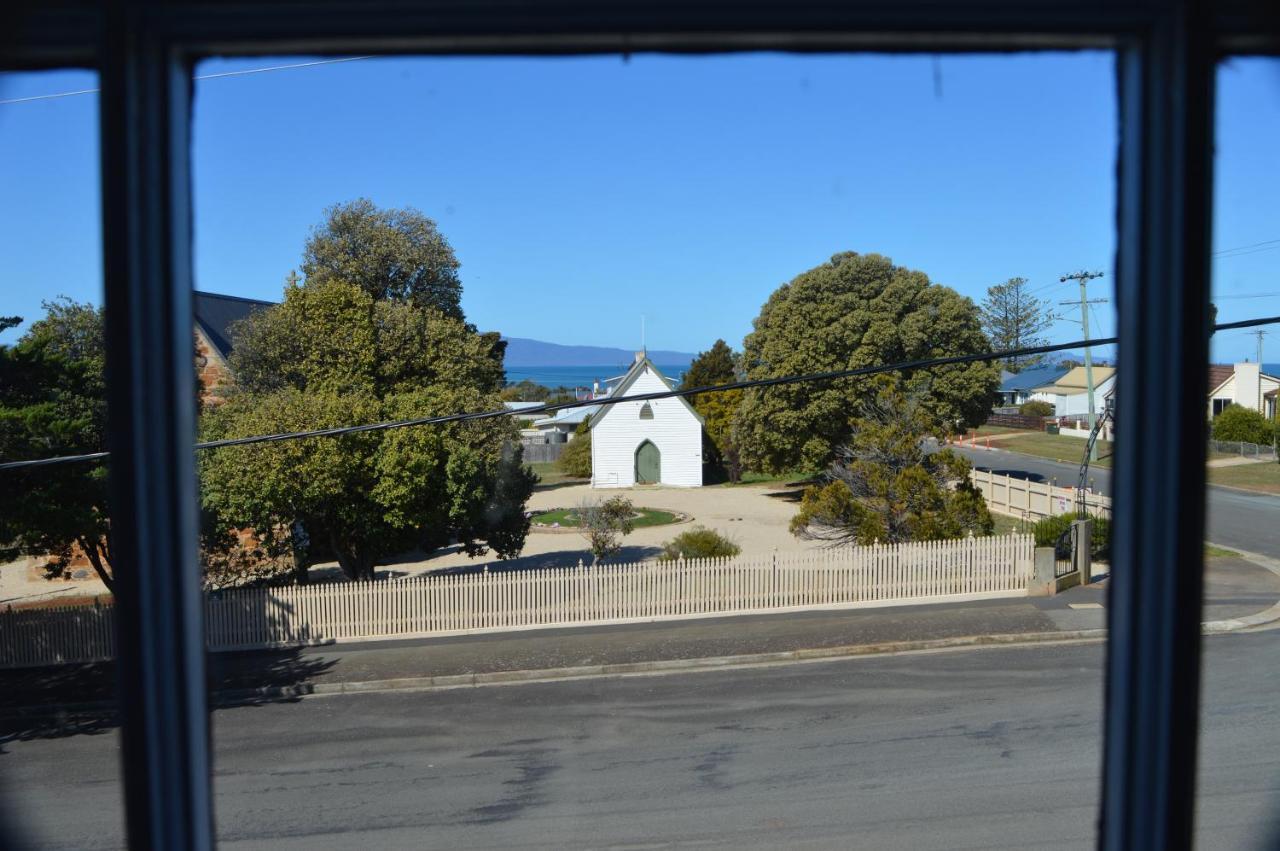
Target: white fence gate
x,y
493,601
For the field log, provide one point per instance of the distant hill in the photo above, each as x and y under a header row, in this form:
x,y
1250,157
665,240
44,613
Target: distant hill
x,y
525,352
1102,356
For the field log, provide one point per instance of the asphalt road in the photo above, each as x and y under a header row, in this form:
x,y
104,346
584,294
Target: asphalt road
x,y
988,748
1250,521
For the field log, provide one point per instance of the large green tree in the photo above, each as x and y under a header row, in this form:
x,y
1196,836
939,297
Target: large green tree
x,y
717,365
390,254
1015,319
53,402
856,310
885,486
331,354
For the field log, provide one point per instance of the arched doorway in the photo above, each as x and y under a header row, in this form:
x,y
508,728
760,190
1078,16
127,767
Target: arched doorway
x,y
648,464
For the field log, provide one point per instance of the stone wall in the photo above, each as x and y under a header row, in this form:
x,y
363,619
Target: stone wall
x,y
213,371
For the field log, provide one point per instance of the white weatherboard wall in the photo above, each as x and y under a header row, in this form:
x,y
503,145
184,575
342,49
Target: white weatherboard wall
x,y
1078,403
618,430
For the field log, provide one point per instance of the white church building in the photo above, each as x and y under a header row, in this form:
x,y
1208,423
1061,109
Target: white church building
x,y
658,441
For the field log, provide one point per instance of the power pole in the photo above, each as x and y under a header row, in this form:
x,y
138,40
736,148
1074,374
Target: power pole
x,y
1260,334
1084,278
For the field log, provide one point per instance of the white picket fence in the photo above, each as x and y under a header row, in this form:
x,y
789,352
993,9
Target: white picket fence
x,y
494,601
1033,500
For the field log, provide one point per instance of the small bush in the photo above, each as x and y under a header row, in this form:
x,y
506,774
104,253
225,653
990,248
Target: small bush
x,y
1035,408
1050,530
1238,423
699,542
575,460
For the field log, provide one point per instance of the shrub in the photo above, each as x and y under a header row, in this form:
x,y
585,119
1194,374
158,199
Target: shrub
x,y
1049,531
699,542
1238,423
1036,408
604,525
576,459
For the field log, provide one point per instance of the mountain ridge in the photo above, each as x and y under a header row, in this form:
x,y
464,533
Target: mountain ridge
x,y
523,351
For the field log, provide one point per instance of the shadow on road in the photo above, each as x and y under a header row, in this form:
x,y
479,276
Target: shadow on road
x,y
72,700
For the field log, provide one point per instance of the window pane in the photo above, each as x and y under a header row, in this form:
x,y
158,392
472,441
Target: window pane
x,y
1237,801
58,743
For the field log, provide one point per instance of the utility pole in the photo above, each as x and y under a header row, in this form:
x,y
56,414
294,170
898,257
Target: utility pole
x,y
1084,278
1260,333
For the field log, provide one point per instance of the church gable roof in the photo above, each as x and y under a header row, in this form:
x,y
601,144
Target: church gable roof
x,y
216,313
637,369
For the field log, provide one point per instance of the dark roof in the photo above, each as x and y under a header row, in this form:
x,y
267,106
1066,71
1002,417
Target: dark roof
x,y
1218,373
215,314
1033,378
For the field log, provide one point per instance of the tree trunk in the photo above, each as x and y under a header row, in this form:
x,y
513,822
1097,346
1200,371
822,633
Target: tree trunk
x,y
94,555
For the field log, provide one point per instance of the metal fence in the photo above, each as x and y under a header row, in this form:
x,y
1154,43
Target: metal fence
x,y
1261,452
494,601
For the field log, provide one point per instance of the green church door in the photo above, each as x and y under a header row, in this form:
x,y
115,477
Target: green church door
x,y
648,464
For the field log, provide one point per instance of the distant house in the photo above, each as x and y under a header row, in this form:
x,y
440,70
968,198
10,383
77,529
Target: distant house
x,y
214,316
1017,388
658,441
561,426
1250,385
1070,392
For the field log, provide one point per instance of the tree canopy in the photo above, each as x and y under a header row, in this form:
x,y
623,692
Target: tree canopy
x,y
330,354
1014,319
389,254
717,365
885,485
854,311
53,402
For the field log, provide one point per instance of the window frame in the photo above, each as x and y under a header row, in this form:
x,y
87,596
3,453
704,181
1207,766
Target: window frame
x,y
1166,59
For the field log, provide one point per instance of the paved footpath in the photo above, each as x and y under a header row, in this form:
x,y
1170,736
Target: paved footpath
x,y
1236,588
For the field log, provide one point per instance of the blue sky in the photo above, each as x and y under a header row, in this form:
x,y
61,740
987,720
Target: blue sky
x,y
580,193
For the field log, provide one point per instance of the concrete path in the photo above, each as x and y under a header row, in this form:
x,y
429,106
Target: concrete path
x,y
1236,462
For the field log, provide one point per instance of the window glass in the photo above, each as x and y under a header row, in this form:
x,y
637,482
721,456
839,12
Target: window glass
x,y
1237,802
59,767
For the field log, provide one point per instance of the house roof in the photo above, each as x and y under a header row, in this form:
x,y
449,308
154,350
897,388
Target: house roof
x,y
521,406
1220,372
1032,378
1075,380
636,370
216,313
569,416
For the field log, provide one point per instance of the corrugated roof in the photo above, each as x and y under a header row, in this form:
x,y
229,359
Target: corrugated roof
x,y
1032,378
570,416
1074,381
520,406
215,313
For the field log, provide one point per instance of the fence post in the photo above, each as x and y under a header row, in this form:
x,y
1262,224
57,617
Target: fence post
x,y
1082,549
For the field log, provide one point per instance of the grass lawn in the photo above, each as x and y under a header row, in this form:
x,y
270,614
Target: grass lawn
x,y
1263,476
1057,448
569,517
550,474
1210,551
1006,525
998,429
771,480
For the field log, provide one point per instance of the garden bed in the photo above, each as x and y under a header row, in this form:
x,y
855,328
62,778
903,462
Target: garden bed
x,y
566,519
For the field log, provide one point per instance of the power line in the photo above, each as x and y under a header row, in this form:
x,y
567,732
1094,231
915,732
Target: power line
x,y
923,363
1257,245
217,76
